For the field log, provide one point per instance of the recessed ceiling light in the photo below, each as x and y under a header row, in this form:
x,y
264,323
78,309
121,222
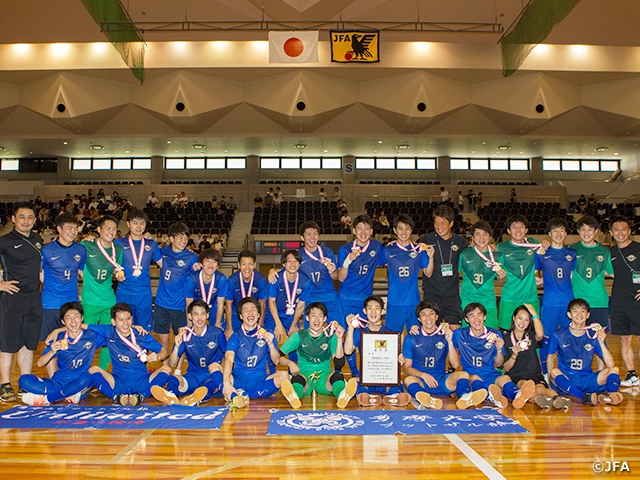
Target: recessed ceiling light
x,y
601,149
97,147
379,141
616,154
300,146
484,143
403,146
2,149
503,147
473,151
197,146
168,141
65,143
326,151
569,153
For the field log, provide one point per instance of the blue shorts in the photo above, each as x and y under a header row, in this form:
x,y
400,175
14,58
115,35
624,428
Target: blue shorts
x,y
50,321
165,319
400,316
251,384
488,376
142,310
351,306
392,390
195,379
441,389
597,315
585,381
270,323
130,385
553,318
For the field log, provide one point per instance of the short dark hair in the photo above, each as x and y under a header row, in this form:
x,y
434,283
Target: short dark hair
x,y
137,214
178,229
619,219
472,306
286,253
246,300
71,306
522,308
210,253
320,306
482,225
120,307
578,303
557,222
373,298
247,254
307,225
65,218
404,218
444,211
518,217
588,220
428,304
107,218
21,205
362,219
198,303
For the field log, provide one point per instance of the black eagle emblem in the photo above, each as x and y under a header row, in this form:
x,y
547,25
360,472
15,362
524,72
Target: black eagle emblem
x,y
360,45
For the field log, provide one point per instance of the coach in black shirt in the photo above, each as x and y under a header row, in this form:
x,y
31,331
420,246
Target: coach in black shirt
x,y
20,302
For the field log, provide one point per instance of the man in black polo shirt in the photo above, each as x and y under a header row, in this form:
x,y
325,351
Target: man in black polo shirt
x,y
20,302
443,286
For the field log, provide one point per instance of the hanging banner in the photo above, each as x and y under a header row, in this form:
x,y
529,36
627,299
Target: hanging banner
x,y
355,46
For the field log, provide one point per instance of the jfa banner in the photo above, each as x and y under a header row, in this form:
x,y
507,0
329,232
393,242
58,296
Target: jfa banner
x,y
354,46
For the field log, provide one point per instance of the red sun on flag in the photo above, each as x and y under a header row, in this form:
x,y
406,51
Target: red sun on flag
x,y
293,47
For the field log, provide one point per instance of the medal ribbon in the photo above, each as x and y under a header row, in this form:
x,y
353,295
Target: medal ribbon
x,y
242,290
137,258
311,255
189,332
491,260
330,328
75,340
523,344
291,294
526,244
258,333
133,344
414,247
110,258
355,247
358,322
486,334
595,327
207,294
437,331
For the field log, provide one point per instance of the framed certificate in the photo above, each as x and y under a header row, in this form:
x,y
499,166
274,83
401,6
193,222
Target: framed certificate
x,y
379,359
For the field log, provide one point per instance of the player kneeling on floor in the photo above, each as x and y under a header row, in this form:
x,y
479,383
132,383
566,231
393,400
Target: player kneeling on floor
x,y
370,396
73,349
575,347
203,345
426,352
315,347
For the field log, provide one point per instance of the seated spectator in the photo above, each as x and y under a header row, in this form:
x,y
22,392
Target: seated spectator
x,y
180,200
101,194
232,204
479,201
592,201
341,204
214,203
258,202
152,200
268,201
277,200
345,219
222,208
383,219
336,194
323,195
581,204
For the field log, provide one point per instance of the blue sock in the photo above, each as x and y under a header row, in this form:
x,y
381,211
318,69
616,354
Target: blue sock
x,y
415,388
544,350
463,385
510,390
477,385
361,389
173,384
71,388
32,384
293,356
218,381
159,380
613,382
353,364
266,389
101,384
395,389
211,389
564,384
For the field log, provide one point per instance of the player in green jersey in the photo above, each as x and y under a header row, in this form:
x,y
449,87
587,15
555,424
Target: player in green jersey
x,y
480,265
316,346
519,258
103,262
593,263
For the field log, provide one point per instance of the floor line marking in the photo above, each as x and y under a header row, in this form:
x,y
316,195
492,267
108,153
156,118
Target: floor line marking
x,y
474,457
119,457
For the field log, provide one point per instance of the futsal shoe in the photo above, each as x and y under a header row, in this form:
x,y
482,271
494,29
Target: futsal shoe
x,y
543,401
397,399
562,403
35,400
240,400
631,380
590,399
195,398
613,398
348,393
428,401
496,397
366,400
75,399
290,394
164,396
471,399
135,399
121,399
527,391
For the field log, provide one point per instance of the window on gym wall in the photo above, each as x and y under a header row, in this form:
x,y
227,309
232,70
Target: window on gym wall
x,y
397,163
304,163
10,164
505,164
204,163
580,165
111,163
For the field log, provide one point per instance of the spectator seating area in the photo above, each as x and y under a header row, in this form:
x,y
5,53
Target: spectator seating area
x,y
287,219
495,183
420,212
201,182
399,182
605,211
304,182
197,215
538,214
111,182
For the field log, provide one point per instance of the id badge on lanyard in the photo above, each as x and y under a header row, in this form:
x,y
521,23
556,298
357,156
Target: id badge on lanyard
x,y
446,270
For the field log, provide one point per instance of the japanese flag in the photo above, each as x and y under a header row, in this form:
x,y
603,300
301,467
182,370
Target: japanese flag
x,y
293,47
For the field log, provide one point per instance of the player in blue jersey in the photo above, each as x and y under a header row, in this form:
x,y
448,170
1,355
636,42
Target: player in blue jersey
x,y
404,261
370,396
575,347
481,351
74,350
425,362
203,346
287,298
209,284
177,264
137,254
357,263
245,361
62,260
556,264
129,381
246,282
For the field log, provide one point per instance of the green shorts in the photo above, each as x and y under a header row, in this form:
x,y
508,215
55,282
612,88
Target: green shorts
x,y
491,321
97,315
320,385
507,309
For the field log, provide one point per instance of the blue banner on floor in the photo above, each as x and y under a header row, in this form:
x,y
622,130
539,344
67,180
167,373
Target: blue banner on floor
x,y
385,422
115,418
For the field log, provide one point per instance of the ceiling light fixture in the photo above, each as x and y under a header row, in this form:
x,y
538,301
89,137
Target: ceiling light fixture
x,y
601,149
300,146
503,147
97,147
403,146
197,146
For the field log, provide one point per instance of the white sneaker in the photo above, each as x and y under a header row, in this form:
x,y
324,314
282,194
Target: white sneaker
x,y
428,401
75,399
348,393
471,399
164,396
290,394
630,381
35,400
496,397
